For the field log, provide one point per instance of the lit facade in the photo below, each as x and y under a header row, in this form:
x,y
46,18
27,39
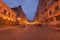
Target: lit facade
x,y
7,16
49,12
22,19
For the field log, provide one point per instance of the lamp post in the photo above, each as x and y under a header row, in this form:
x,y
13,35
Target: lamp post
x,y
18,19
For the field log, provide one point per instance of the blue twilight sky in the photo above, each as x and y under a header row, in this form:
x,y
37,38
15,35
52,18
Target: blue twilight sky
x,y
29,6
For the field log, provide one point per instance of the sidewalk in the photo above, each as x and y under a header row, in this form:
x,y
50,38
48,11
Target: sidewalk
x,y
6,27
57,28
54,27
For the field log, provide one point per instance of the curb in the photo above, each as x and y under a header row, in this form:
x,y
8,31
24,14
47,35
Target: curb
x,y
56,28
6,27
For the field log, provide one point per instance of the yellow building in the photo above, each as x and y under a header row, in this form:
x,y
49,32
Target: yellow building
x,y
7,16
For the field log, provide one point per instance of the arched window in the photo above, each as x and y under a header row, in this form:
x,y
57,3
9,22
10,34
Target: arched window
x,y
57,8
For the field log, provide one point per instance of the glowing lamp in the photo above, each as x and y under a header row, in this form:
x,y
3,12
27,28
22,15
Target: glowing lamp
x,y
18,18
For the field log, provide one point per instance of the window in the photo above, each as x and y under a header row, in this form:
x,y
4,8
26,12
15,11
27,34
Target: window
x,y
58,18
50,12
46,9
45,3
47,20
51,19
12,16
54,1
4,12
1,20
57,8
9,14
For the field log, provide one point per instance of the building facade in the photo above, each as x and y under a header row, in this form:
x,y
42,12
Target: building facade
x,y
22,19
7,15
48,12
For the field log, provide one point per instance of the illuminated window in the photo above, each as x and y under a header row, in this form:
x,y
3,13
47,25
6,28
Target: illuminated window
x,y
58,18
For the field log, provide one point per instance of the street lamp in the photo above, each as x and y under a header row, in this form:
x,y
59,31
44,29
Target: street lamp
x,y
9,19
18,18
